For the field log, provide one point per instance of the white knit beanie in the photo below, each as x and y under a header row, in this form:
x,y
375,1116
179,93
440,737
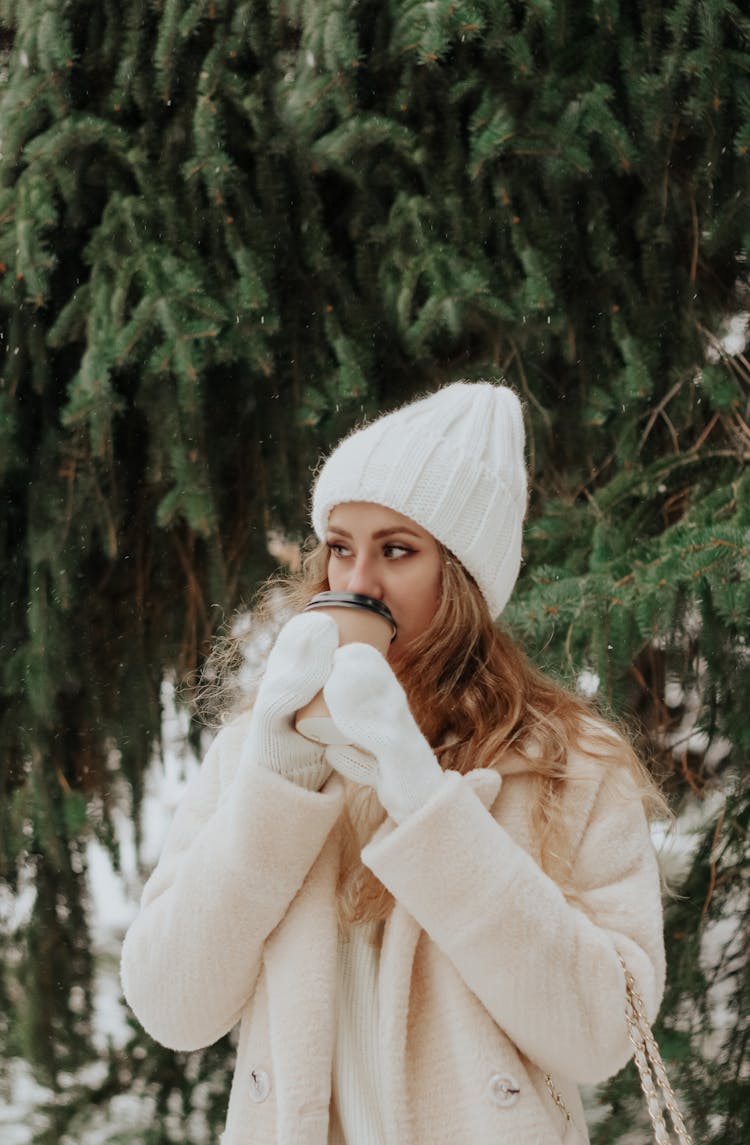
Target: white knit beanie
x,y
453,462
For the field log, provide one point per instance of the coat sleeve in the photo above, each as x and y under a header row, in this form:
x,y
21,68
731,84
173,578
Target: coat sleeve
x,y
241,844
543,963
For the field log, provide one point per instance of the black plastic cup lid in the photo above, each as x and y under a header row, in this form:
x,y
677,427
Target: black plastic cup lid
x,y
352,600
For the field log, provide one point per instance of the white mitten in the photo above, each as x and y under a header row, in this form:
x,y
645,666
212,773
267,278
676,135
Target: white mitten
x,y
299,664
369,706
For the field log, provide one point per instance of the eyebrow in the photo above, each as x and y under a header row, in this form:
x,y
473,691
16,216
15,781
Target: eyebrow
x,y
399,529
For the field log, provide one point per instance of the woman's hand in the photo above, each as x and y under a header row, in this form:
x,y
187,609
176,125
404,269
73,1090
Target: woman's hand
x,y
299,664
369,706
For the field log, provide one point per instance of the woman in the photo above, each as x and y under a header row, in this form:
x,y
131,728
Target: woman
x,y
421,934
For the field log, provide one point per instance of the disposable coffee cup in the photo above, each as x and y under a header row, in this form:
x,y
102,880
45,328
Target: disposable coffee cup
x,y
360,619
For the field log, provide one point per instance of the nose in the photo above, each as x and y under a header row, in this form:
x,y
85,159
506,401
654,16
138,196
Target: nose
x,y
364,577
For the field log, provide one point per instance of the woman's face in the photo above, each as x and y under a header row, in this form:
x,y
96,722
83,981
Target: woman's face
x,y
379,552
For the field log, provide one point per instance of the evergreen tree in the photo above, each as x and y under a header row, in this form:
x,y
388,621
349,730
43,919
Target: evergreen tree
x,y
229,230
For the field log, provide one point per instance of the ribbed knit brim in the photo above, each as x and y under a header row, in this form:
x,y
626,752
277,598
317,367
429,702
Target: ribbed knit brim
x,y
453,462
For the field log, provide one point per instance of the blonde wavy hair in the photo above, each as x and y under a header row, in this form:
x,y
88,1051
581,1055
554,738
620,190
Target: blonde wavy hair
x,y
474,694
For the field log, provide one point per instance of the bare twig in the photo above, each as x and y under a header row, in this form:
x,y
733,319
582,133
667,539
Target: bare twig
x,y
657,410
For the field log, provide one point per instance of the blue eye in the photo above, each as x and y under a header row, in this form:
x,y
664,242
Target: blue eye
x,y
397,551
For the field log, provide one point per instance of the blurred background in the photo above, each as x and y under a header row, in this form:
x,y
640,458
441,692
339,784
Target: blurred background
x,y
228,232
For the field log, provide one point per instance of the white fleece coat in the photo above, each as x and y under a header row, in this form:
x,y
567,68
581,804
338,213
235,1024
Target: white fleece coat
x,y
490,976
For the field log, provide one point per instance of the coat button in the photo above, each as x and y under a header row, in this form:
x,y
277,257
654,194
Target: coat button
x,y
504,1090
260,1085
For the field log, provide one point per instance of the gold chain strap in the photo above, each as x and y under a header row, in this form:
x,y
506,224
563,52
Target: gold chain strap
x,y
650,1067
653,1075
557,1097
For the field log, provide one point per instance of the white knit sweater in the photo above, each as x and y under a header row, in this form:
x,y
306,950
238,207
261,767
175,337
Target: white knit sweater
x,y
356,1117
